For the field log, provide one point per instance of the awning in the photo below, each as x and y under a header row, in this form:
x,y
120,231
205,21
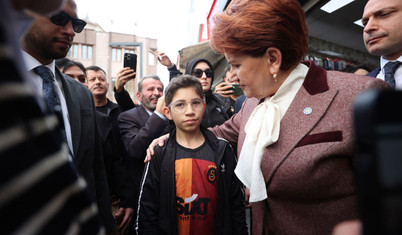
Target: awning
x,y
203,50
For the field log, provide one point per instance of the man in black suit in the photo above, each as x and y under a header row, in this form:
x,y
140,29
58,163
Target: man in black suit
x,y
35,168
48,39
140,125
383,37
121,190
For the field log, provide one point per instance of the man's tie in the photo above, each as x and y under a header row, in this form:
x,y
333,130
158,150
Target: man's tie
x,y
51,97
389,70
48,88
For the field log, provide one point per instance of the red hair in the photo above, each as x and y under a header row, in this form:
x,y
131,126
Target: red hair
x,y
250,27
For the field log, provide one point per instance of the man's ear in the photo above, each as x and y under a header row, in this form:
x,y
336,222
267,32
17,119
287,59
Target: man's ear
x,y
274,59
166,111
138,95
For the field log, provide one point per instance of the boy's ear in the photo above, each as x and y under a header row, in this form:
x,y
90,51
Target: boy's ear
x,y
166,111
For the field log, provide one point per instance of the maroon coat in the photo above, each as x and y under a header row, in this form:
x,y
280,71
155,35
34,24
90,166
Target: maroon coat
x,y
308,172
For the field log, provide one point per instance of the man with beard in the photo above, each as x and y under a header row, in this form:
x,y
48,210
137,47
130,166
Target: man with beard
x,y
48,39
121,191
140,125
35,168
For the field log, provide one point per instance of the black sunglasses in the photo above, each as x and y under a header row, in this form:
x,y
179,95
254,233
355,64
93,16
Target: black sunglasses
x,y
198,73
63,18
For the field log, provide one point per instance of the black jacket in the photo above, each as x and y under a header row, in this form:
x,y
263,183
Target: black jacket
x,y
216,110
157,202
124,100
112,149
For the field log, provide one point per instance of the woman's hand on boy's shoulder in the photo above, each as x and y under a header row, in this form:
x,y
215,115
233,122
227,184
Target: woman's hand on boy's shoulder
x,y
150,151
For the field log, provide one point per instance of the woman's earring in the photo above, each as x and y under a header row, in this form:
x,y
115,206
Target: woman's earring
x,y
275,76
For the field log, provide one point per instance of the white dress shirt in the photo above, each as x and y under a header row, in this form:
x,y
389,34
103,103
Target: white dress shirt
x,y
32,63
397,75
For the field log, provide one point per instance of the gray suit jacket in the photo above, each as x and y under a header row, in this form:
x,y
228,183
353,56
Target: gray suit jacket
x,y
86,144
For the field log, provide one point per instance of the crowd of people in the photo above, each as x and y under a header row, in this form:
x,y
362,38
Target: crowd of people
x,y
276,136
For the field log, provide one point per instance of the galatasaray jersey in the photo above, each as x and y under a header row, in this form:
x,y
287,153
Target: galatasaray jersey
x,y
196,189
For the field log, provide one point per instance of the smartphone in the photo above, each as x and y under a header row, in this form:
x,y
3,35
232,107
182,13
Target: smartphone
x,y
130,60
237,89
378,124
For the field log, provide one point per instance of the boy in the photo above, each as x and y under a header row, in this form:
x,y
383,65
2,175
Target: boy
x,y
190,187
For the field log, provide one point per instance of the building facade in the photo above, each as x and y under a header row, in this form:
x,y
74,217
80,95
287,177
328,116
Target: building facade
x,y
94,46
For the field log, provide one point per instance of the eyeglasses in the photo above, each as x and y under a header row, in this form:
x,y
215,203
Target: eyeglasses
x,y
180,106
63,18
198,73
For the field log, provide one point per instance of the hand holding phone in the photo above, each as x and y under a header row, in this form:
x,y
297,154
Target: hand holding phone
x,y
130,60
237,89
223,89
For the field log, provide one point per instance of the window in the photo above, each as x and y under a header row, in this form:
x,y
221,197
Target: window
x,y
113,54
89,52
75,51
86,52
116,54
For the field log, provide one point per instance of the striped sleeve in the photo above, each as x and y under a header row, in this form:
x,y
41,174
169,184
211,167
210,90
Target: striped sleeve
x,y
40,190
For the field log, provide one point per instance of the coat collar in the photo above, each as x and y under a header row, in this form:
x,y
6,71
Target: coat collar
x,y
295,124
111,107
216,144
316,79
374,73
143,112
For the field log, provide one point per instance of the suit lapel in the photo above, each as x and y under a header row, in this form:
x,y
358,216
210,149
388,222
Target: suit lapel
x,y
314,95
374,73
73,107
143,114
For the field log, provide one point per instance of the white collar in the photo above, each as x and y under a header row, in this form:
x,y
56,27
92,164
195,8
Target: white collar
x,y
32,63
383,62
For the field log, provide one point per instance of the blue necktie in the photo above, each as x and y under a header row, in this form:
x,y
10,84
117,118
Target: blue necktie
x,y
48,89
389,71
51,97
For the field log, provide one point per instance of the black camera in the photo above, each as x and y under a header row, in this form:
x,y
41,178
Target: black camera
x,y
378,122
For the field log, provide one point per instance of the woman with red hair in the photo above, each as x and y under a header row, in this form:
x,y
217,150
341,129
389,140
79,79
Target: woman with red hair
x,y
294,132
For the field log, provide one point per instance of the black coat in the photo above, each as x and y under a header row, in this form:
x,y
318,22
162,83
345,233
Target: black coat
x,y
86,144
124,100
216,111
112,148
